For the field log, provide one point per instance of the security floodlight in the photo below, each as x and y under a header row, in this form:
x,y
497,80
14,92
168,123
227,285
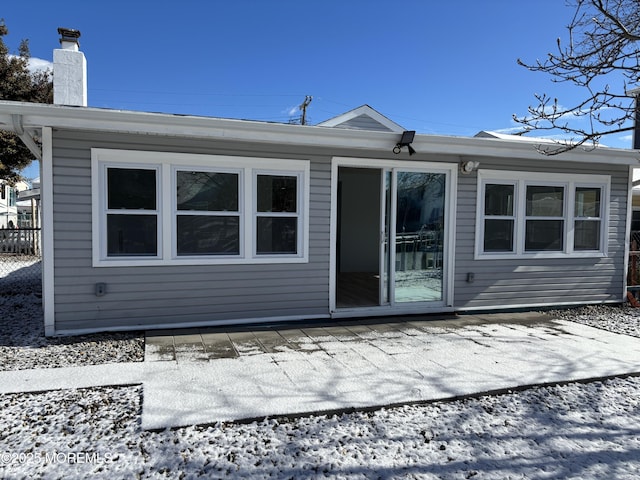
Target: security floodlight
x,y
405,141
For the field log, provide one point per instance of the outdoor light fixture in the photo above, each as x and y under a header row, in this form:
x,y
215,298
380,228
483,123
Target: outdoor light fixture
x,y
468,167
405,141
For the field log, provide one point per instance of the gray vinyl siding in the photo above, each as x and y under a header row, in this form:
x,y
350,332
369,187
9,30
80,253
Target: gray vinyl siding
x,y
527,282
363,122
157,295
138,297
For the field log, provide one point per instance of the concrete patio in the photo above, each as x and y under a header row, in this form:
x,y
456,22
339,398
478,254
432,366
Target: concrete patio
x,y
187,345
228,374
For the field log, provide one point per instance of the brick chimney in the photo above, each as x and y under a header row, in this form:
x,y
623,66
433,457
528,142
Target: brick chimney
x,y
69,70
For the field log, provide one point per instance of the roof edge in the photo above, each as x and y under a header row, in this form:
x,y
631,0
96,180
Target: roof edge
x,y
35,116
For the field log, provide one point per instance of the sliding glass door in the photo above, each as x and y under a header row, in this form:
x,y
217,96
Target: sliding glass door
x,y
397,216
419,235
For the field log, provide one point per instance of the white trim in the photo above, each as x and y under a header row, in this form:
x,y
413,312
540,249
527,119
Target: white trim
x,y
300,193
47,233
450,205
627,231
168,163
524,306
520,180
392,310
36,116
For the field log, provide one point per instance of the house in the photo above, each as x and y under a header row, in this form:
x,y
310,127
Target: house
x,y
9,203
155,220
28,205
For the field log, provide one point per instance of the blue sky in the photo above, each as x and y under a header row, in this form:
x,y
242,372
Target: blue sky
x,y
432,66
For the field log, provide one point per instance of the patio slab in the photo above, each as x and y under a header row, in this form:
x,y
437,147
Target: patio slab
x,y
316,368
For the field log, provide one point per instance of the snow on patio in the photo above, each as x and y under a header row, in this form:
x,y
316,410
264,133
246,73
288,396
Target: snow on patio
x,y
379,369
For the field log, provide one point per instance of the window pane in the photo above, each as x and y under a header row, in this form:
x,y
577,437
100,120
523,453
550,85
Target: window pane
x,y
587,235
587,202
544,235
207,191
277,193
277,235
545,201
208,235
498,199
132,235
498,235
131,188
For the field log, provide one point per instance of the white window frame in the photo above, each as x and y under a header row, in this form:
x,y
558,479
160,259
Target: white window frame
x,y
168,164
297,214
523,179
240,213
105,211
512,217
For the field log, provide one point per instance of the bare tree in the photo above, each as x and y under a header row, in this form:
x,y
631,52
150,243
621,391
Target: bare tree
x,y
600,57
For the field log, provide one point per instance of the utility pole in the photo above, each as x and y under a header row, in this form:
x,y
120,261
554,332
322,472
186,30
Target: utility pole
x,y
303,108
635,93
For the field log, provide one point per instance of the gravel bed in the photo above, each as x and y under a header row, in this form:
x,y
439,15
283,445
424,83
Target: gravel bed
x,y
614,318
578,431
23,344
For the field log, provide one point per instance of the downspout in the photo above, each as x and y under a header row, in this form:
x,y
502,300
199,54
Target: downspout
x,y
25,136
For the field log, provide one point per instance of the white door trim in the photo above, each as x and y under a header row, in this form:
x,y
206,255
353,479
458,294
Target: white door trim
x,y
451,171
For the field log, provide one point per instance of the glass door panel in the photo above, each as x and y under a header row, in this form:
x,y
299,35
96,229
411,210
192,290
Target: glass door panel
x,y
419,235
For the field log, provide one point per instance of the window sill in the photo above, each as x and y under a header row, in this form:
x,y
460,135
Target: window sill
x,y
142,262
538,255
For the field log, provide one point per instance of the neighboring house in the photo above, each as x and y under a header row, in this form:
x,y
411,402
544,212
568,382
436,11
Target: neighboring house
x,y
8,203
29,206
15,238
156,220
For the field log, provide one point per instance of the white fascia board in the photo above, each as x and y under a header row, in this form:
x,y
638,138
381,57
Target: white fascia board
x,y
488,147
95,119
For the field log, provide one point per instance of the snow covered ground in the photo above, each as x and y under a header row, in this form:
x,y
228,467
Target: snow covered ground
x,y
23,344
586,431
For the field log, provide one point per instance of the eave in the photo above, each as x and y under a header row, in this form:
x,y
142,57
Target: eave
x,y
34,116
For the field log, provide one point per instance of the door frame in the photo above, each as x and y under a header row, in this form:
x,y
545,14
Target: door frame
x,y
451,174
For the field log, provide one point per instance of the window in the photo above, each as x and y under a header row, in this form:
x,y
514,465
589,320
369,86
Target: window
x,y
526,214
13,196
499,217
132,212
587,218
174,208
277,215
208,213
544,223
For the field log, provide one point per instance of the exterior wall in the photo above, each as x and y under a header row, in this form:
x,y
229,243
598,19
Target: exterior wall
x,y
513,283
137,297
157,295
